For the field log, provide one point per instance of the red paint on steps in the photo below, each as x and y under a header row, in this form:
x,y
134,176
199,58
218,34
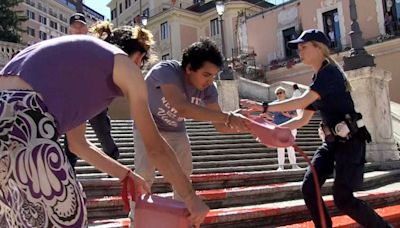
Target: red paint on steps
x,y
218,215
212,194
221,215
225,193
218,176
111,223
391,213
207,177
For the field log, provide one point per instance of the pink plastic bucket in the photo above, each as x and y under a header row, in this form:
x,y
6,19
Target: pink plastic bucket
x,y
269,133
155,212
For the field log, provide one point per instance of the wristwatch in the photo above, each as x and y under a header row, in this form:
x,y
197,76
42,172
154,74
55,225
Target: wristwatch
x,y
265,106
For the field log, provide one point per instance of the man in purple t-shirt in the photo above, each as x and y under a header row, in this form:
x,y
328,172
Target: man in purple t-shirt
x,y
179,91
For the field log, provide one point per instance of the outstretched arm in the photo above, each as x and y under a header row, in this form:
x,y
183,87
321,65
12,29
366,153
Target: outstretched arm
x,y
129,79
197,112
79,145
221,127
296,122
286,105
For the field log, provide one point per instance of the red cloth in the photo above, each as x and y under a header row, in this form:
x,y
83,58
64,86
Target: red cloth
x,y
127,183
269,133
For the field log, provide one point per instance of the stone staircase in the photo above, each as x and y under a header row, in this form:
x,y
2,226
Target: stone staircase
x,y
236,176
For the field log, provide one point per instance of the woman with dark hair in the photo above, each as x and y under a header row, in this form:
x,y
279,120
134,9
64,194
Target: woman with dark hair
x,y
344,134
52,88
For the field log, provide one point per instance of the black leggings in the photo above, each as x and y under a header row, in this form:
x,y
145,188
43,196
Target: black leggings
x,y
347,158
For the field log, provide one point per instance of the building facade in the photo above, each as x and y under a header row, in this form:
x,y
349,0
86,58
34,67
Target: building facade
x,y
50,18
269,31
177,24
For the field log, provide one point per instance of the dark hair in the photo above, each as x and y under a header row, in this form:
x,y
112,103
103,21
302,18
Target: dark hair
x,y
200,52
129,39
295,86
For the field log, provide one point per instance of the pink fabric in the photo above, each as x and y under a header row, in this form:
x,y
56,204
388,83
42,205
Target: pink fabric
x,y
153,211
269,133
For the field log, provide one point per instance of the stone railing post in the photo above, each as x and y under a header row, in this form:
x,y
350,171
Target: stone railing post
x,y
228,94
7,50
371,97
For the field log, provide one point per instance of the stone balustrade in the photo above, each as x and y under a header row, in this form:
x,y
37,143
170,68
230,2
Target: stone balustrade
x,y
7,50
264,92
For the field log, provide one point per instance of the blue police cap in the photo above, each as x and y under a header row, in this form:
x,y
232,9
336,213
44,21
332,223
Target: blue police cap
x,y
309,35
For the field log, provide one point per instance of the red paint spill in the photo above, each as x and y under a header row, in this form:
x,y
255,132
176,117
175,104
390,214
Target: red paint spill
x,y
344,221
217,176
391,213
213,194
260,211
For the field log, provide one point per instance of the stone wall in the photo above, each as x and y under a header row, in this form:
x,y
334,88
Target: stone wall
x,y
263,92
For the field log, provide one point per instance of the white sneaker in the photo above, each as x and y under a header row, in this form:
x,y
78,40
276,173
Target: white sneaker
x,y
280,168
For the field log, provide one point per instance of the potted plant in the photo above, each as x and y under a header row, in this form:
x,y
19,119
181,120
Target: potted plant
x,y
274,65
290,63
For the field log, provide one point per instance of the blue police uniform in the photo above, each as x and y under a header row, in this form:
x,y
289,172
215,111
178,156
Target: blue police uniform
x,y
346,156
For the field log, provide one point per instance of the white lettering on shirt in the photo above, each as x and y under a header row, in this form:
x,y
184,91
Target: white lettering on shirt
x,y
170,115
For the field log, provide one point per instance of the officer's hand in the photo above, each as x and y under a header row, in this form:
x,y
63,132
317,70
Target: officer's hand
x,y
244,112
252,106
267,116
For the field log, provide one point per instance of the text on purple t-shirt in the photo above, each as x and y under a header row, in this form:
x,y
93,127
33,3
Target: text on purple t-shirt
x,y
170,72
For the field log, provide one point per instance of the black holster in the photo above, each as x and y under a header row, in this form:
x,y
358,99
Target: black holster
x,y
355,129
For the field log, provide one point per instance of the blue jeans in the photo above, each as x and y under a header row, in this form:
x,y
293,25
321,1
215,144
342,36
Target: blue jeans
x,y
101,125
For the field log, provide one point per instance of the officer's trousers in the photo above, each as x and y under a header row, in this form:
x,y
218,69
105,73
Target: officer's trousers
x,y
347,158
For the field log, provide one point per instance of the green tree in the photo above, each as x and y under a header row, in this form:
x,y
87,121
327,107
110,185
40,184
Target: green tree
x,y
10,21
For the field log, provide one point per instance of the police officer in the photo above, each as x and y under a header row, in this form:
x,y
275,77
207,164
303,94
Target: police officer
x,y
345,135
